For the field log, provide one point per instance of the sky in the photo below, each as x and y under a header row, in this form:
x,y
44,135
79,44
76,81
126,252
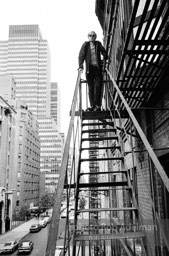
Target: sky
x,y
65,25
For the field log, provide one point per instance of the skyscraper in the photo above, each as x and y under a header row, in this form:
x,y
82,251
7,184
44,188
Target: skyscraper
x,y
55,103
25,58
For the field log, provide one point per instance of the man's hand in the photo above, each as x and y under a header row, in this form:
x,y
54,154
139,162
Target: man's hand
x,y
107,63
80,70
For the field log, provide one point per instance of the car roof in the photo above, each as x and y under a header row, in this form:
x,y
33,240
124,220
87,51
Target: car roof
x,y
10,241
59,247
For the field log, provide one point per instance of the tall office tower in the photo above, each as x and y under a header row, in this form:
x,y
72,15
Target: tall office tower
x,y
51,152
55,103
25,57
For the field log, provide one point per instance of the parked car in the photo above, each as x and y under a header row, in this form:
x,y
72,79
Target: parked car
x,y
26,246
9,247
138,250
59,250
47,219
71,206
63,214
42,223
35,228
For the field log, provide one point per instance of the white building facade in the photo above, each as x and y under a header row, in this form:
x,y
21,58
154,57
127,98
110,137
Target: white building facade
x,y
7,164
25,58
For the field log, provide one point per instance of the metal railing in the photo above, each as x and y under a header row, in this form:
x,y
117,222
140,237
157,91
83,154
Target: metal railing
x,y
117,102
67,173
70,163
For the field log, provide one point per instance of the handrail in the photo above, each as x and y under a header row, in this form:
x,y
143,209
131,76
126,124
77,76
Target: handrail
x,y
63,178
149,149
147,145
130,143
54,226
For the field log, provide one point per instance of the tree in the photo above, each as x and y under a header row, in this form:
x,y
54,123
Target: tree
x,y
46,201
23,211
82,203
64,195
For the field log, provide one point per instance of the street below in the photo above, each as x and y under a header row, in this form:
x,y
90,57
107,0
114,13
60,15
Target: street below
x,y
40,241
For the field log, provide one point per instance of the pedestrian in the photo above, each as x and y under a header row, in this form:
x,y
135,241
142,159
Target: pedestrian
x,y
91,53
7,223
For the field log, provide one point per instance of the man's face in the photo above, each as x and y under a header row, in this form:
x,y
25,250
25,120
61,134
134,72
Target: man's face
x,y
92,37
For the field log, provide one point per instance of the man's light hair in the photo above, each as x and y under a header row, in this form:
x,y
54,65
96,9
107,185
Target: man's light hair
x,y
92,32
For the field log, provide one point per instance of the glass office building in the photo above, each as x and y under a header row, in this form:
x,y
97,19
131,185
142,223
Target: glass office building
x,y
25,57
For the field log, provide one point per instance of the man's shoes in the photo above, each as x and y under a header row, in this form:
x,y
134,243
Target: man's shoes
x,y
97,108
90,109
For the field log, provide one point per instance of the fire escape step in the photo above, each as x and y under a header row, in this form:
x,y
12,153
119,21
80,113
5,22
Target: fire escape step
x,y
100,139
96,115
108,209
98,130
103,184
103,189
101,159
98,124
98,173
99,148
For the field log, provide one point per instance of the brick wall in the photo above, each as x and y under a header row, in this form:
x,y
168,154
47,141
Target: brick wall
x,y
155,125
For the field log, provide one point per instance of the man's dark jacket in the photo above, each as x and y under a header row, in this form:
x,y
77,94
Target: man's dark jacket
x,y
84,55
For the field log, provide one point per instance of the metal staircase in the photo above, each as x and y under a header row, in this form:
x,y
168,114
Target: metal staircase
x,y
95,171
106,222
99,166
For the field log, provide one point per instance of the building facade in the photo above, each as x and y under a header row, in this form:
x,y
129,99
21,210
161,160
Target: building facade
x,y
25,57
51,152
7,164
55,103
142,76
27,159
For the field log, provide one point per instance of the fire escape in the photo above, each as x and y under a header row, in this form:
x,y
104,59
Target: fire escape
x,y
100,146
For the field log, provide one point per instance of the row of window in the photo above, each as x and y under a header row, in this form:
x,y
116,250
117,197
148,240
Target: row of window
x,y
21,87
20,68
37,61
30,82
28,57
50,131
25,51
30,78
51,183
49,141
38,73
51,172
37,65
51,178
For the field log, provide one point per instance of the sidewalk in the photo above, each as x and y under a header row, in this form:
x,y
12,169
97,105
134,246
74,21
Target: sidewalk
x,y
19,232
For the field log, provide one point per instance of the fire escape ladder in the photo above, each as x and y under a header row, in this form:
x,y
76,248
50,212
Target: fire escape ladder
x,y
95,177
101,223
139,64
130,129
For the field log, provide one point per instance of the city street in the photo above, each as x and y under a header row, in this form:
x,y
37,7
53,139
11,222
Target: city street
x,y
39,239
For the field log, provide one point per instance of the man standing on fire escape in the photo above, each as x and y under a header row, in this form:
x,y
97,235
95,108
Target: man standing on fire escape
x,y
91,52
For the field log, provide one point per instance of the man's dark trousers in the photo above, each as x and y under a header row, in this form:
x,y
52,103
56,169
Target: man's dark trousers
x,y
94,80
